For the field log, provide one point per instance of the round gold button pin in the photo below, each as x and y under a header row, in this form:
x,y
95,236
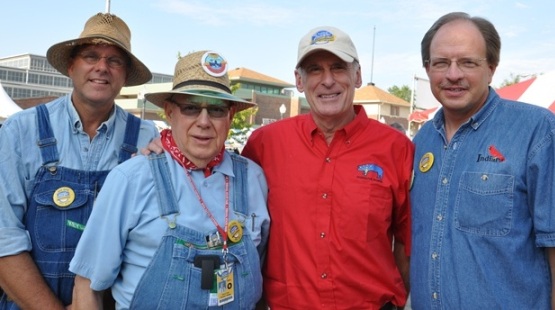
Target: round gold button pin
x,y
235,231
426,162
63,196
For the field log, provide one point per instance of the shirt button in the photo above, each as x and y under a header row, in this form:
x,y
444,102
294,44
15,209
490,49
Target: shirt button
x,y
324,275
324,195
484,177
439,217
434,255
322,235
328,159
444,181
435,295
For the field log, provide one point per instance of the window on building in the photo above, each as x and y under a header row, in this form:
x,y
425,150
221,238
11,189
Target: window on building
x,y
394,110
33,78
266,121
15,76
45,80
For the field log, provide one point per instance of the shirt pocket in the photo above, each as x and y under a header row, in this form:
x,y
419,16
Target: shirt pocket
x,y
484,204
367,215
64,224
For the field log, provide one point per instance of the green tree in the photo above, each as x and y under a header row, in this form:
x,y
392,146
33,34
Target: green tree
x,y
404,92
513,79
241,122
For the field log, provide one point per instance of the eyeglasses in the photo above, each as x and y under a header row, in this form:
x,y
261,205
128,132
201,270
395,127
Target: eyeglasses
x,y
464,64
194,110
112,61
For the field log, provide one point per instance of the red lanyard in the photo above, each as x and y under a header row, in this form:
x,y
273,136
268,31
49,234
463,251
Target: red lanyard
x,y
223,232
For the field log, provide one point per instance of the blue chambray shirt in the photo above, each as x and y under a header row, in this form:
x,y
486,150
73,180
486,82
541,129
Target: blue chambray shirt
x,y
20,159
484,211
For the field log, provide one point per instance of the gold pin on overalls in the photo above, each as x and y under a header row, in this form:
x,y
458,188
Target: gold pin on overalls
x,y
63,196
235,231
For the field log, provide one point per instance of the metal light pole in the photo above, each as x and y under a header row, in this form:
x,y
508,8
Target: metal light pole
x,y
141,96
282,110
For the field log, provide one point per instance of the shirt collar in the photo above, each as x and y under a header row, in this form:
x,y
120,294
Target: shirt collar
x,y
478,118
356,125
226,165
75,120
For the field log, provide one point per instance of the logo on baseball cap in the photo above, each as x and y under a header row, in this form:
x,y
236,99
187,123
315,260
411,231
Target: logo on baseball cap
x,y
329,39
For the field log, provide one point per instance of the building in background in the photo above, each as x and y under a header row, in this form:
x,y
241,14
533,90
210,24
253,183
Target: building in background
x,y
269,93
30,80
383,106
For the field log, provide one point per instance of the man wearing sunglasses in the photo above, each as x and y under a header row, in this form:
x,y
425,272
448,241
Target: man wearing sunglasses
x,y
187,228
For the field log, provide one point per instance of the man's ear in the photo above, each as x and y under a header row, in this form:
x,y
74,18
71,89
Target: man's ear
x,y
168,110
232,111
299,81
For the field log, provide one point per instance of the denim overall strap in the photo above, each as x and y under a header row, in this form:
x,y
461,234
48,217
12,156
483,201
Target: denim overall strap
x,y
129,146
240,184
167,201
47,142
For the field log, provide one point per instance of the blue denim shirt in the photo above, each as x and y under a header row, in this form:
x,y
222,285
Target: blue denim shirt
x,y
20,159
483,212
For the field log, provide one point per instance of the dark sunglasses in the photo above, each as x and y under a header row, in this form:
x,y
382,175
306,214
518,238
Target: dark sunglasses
x,y
194,110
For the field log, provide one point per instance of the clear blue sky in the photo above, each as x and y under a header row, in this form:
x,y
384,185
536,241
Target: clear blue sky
x,y
263,35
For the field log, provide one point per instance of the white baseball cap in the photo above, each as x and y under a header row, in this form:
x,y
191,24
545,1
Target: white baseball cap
x,y
328,39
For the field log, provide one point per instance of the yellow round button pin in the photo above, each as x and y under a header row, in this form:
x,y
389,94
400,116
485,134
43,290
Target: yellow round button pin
x,y
426,162
63,196
235,231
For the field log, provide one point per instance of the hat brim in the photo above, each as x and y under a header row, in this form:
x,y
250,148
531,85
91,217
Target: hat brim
x,y
343,56
59,55
160,98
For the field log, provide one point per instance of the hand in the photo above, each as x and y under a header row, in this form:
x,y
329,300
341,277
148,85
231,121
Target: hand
x,y
155,146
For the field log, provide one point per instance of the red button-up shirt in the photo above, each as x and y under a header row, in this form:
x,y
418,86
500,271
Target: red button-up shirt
x,y
334,211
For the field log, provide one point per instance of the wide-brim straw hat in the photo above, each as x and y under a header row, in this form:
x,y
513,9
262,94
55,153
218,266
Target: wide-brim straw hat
x,y
204,74
102,28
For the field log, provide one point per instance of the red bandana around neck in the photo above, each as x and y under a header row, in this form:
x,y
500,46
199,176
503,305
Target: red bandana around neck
x,y
169,145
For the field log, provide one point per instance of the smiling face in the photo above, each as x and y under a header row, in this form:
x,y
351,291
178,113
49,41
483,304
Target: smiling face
x,y
97,84
199,137
461,89
329,85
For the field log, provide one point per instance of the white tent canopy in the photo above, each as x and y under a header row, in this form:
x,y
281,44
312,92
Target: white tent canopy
x,y
7,106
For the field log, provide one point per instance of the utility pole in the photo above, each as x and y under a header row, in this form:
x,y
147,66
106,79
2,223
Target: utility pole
x,y
372,64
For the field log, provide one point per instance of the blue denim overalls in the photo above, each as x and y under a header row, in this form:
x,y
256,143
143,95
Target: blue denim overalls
x,y
171,281
54,223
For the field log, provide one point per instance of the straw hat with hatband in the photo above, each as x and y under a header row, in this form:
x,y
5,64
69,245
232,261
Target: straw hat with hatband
x,y
102,28
204,74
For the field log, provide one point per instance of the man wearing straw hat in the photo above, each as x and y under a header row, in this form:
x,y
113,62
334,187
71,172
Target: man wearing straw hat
x,y
185,229
54,159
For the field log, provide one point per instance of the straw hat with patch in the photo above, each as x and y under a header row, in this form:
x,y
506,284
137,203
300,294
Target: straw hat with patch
x,y
202,74
102,28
